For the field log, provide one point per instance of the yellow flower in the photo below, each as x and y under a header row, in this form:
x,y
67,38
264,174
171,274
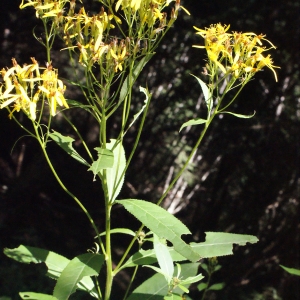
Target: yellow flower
x,y
118,57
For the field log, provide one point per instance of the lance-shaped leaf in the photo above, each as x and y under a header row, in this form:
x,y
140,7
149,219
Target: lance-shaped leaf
x,y
192,123
36,296
238,115
83,265
206,93
115,175
65,142
291,270
105,160
221,243
163,257
130,79
55,264
162,223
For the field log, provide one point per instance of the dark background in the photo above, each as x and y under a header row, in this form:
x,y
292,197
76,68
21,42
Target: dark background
x,y
245,178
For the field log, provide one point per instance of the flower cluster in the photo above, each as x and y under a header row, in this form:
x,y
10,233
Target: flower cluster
x,y
236,53
25,86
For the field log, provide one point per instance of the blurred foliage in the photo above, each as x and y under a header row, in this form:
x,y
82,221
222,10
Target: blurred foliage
x,y
244,179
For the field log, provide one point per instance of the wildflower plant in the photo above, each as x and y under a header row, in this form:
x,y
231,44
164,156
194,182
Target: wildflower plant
x,y
111,48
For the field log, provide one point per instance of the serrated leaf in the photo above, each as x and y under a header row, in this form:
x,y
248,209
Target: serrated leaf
x,y
131,79
206,93
36,296
221,243
114,175
162,223
164,258
55,264
65,142
192,122
217,286
239,115
291,270
83,265
105,160
156,287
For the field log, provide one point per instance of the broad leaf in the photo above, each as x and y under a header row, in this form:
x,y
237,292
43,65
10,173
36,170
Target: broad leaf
x,y
156,287
192,123
83,265
206,93
221,243
36,296
55,264
114,175
129,81
65,142
162,223
291,270
163,257
143,257
238,115
105,160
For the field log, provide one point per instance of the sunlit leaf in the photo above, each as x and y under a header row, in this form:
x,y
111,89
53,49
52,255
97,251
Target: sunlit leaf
x,y
192,123
105,160
162,223
36,296
83,265
65,142
120,230
55,264
206,93
239,115
291,270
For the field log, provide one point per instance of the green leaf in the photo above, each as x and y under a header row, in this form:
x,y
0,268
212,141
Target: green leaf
x,y
192,122
217,286
143,257
291,270
129,81
163,257
201,286
83,265
105,160
192,279
55,264
65,142
114,175
148,97
156,287
36,296
238,115
119,230
173,297
162,223
221,243
206,93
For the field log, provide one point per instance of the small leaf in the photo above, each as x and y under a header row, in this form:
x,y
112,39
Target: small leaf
x,y
105,160
192,279
192,123
119,230
291,270
201,286
36,296
114,175
87,264
238,115
143,257
206,93
148,97
163,257
65,142
162,223
217,286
